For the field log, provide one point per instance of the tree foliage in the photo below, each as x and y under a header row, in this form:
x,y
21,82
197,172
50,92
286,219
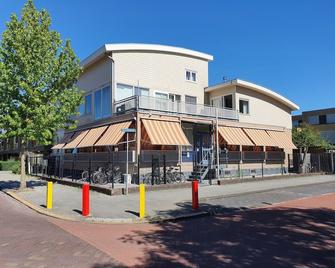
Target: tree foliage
x,y
305,137
38,72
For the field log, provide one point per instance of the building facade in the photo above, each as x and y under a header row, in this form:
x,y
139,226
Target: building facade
x,y
323,120
162,93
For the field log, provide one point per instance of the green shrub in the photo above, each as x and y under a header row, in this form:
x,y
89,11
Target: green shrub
x,y
10,165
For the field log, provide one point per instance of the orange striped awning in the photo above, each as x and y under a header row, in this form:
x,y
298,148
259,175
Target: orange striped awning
x,y
92,136
113,134
234,136
76,139
283,139
260,137
66,138
165,132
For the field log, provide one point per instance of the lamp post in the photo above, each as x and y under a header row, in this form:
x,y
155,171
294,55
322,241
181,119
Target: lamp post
x,y
126,176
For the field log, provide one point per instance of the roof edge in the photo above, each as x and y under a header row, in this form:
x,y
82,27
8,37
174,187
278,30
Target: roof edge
x,y
106,48
257,88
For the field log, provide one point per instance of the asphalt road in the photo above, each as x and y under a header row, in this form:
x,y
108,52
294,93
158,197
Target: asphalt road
x,y
276,236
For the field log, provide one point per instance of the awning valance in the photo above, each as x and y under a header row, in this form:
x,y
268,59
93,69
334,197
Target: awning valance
x,y
165,132
234,136
260,137
92,136
113,134
66,138
76,139
283,139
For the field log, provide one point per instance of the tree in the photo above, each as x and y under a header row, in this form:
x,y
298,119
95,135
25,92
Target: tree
x,y
305,137
38,72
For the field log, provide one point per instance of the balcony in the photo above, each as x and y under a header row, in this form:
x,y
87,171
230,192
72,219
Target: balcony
x,y
145,103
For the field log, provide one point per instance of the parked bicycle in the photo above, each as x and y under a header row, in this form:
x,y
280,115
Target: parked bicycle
x,y
173,175
106,175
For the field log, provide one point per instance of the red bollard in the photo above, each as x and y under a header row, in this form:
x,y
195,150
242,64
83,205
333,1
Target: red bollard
x,y
195,196
86,200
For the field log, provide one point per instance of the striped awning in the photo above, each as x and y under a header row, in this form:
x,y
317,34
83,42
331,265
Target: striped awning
x,y
66,138
165,132
260,137
234,136
76,139
113,134
92,136
283,139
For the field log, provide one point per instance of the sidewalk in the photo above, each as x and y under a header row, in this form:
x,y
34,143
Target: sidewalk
x,y
162,204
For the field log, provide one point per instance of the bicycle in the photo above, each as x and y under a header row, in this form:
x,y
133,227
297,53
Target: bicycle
x,y
106,175
173,175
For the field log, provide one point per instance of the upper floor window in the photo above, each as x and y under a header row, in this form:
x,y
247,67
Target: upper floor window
x,y
191,75
223,102
244,106
175,97
313,120
88,104
123,91
141,91
161,95
102,103
330,118
322,119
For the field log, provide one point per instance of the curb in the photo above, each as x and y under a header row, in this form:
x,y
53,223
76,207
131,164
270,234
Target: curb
x,y
157,219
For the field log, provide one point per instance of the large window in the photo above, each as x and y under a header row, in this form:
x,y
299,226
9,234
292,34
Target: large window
x,y
123,91
88,104
313,120
228,101
244,106
102,103
141,91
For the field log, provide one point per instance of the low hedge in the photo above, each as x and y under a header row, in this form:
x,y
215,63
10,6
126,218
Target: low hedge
x,y
10,165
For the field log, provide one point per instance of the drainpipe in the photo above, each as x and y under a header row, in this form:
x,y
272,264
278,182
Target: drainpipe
x,y
112,79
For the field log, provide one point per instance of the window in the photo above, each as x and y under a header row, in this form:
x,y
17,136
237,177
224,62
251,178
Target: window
x,y
190,99
123,91
175,97
313,120
88,104
141,91
81,109
161,95
97,105
330,118
244,106
102,103
191,75
228,101
322,119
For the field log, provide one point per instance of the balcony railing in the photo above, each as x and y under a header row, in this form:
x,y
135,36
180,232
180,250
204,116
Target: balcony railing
x,y
172,107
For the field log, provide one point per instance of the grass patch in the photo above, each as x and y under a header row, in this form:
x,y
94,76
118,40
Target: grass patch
x,y
10,165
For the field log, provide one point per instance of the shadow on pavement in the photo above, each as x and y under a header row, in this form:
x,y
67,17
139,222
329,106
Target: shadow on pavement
x,y
13,184
265,237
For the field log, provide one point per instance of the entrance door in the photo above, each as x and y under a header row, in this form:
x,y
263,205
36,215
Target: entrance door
x,y
202,145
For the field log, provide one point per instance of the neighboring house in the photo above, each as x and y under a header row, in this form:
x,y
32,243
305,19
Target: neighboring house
x,y
323,120
162,92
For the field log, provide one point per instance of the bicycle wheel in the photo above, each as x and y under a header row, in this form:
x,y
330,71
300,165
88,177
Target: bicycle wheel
x,y
99,177
85,176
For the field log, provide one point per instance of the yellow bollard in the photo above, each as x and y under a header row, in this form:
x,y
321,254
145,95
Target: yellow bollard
x,y
49,195
142,201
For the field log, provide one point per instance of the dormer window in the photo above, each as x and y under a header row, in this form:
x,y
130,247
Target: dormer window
x,y
191,76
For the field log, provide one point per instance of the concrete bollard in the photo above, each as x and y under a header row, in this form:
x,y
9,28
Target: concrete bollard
x,y
195,194
49,195
86,200
142,201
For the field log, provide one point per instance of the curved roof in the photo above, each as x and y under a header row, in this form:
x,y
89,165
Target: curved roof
x,y
257,88
98,54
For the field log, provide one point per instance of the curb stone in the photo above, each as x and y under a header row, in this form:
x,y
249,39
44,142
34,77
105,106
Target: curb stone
x,y
96,220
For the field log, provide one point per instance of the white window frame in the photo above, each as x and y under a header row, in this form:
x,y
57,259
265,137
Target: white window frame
x,y
239,108
191,72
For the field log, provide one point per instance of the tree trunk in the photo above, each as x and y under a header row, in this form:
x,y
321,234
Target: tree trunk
x,y
23,154
304,159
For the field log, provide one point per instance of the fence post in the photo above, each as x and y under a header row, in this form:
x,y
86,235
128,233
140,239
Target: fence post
x,y
138,168
281,164
152,169
164,168
72,171
332,162
89,167
319,159
262,170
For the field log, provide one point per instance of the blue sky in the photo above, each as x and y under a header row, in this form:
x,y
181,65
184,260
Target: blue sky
x,y
285,45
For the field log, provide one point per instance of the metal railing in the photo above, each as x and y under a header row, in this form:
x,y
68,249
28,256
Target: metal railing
x,y
172,107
